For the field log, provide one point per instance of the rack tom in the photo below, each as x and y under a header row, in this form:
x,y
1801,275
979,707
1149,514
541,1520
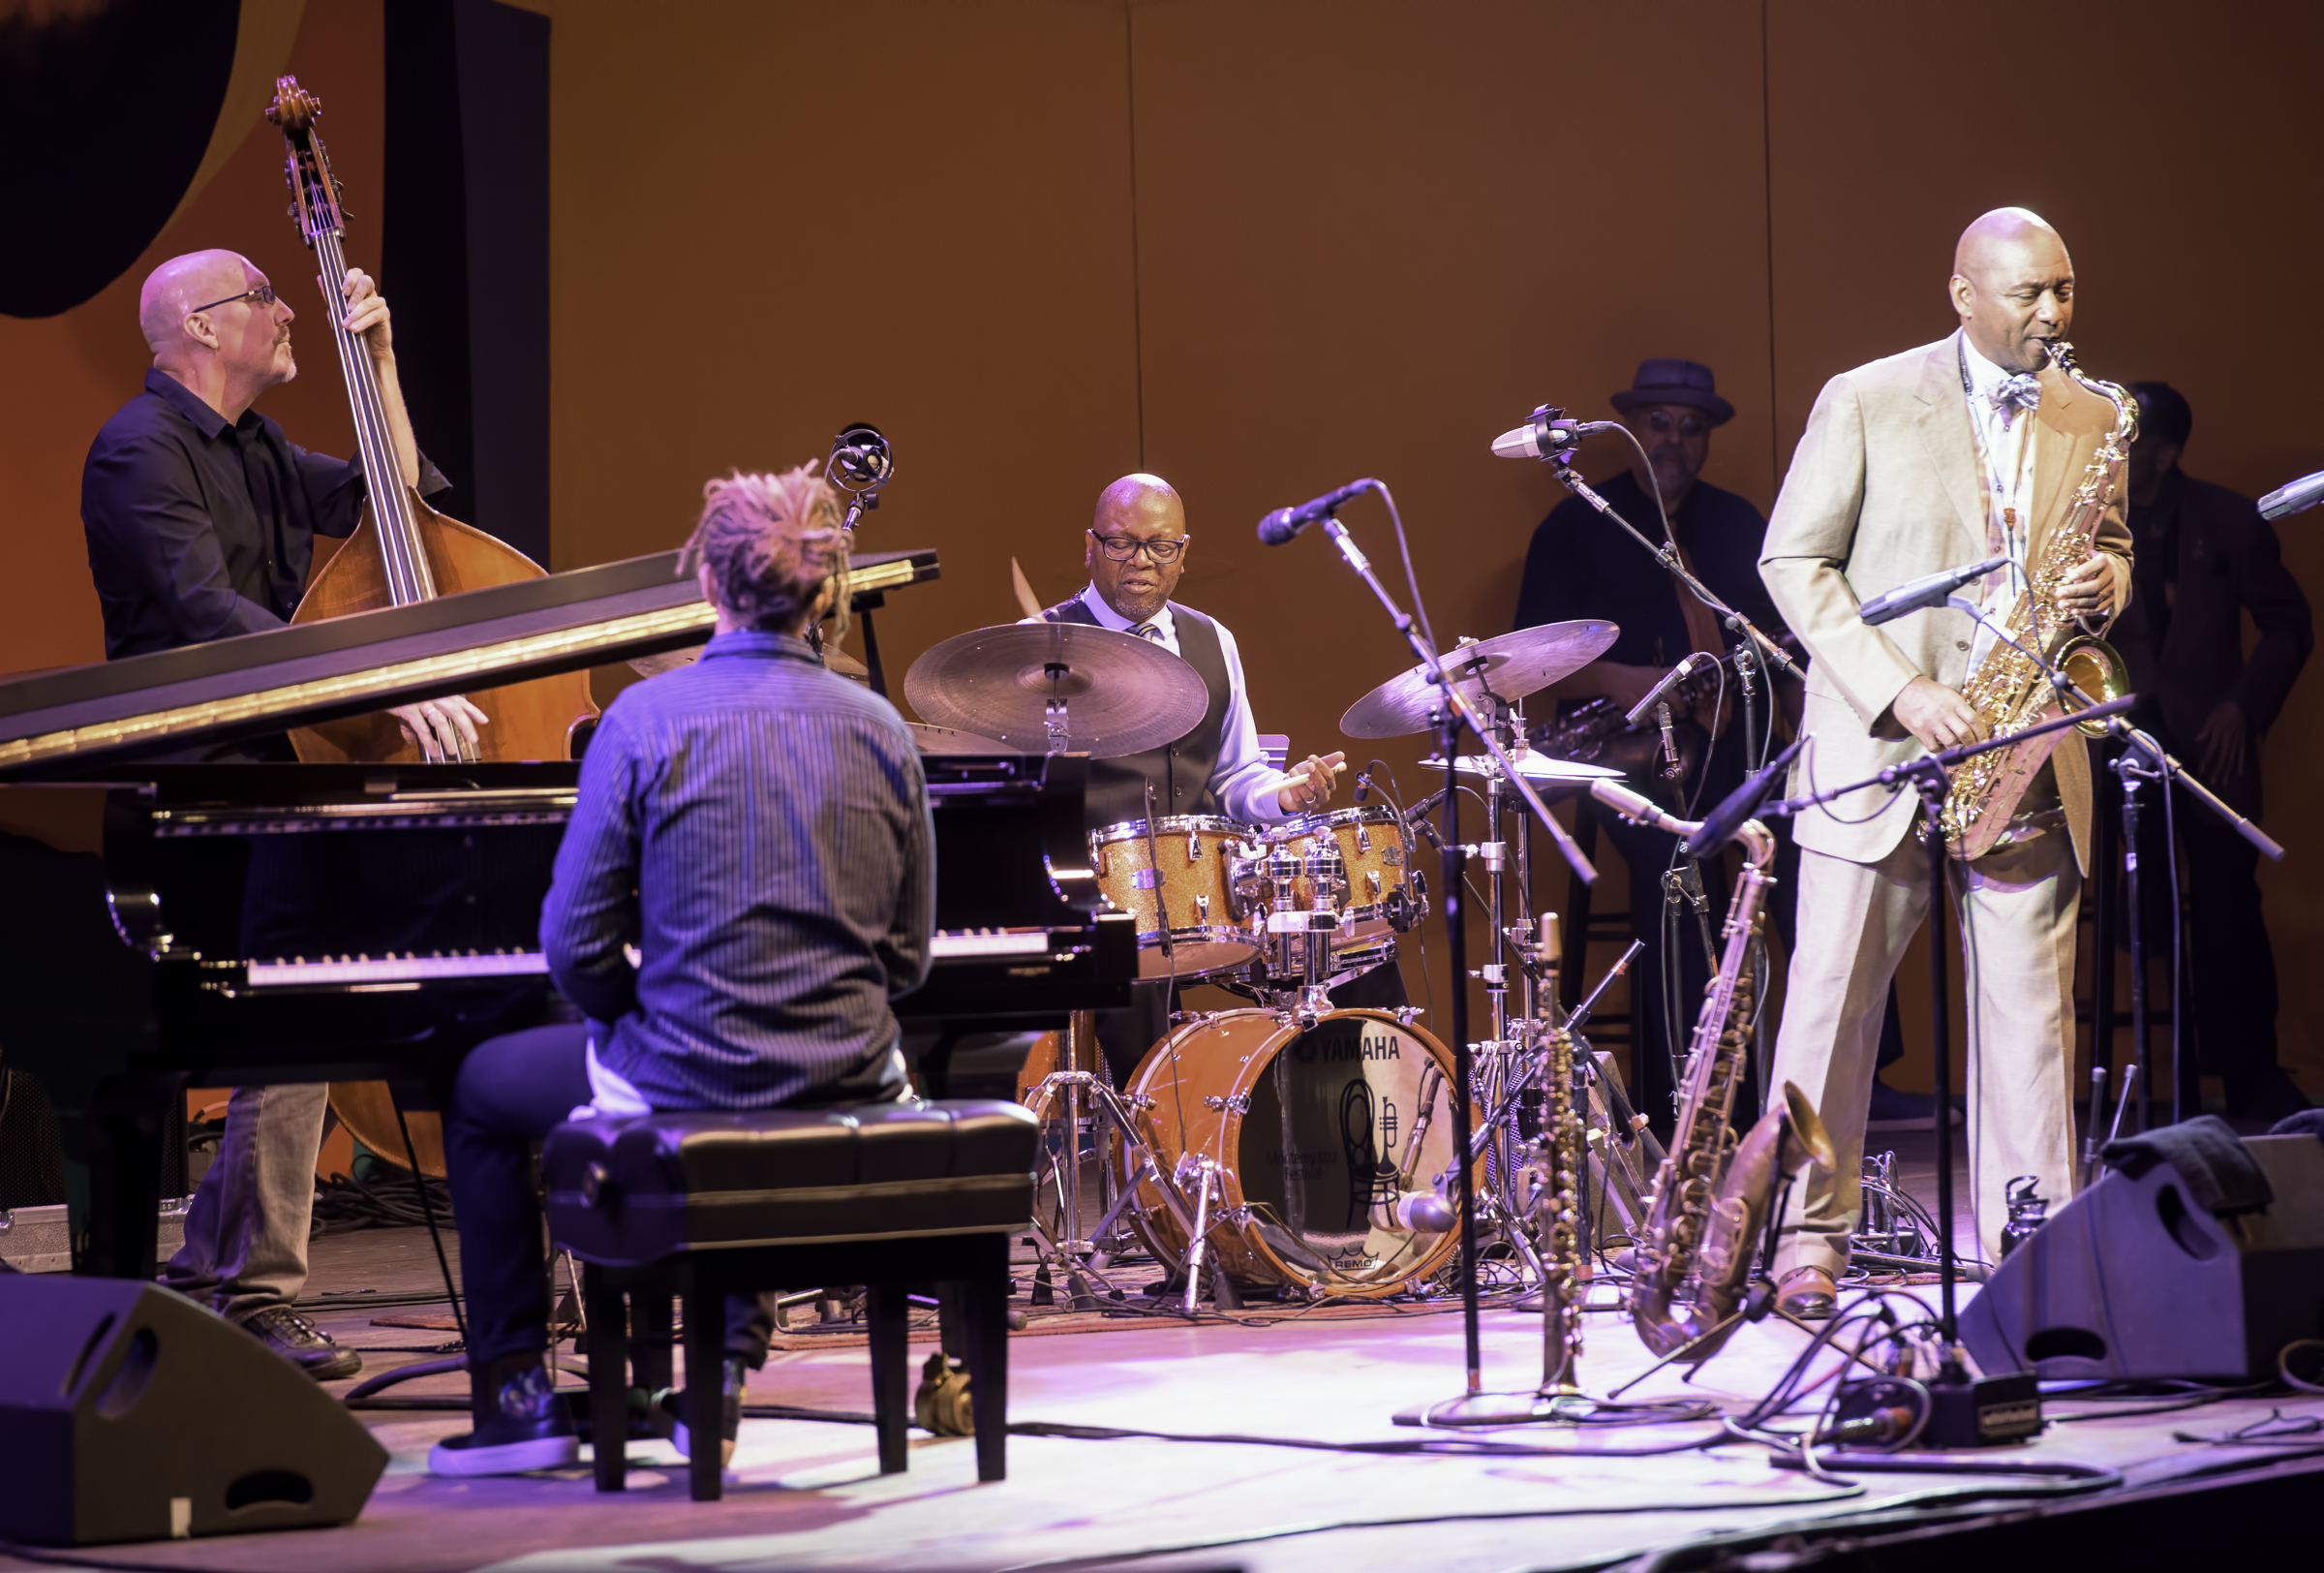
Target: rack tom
x,y
1190,885
1373,868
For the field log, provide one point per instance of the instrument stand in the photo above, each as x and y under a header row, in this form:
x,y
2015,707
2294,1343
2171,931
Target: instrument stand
x,y
2160,766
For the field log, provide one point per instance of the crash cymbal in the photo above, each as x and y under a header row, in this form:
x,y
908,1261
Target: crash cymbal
x,y
1508,667
1120,693
946,740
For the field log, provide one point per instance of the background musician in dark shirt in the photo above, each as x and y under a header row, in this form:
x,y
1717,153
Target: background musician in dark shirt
x,y
200,517
2203,558
1581,564
757,828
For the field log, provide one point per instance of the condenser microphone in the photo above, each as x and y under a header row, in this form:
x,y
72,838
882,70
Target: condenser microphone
x,y
2306,492
1929,590
1719,827
1676,675
1284,523
1548,435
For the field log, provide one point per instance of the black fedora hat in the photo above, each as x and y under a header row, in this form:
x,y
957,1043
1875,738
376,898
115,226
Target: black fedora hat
x,y
1663,380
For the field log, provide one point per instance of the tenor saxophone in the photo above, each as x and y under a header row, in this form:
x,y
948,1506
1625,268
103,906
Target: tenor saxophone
x,y
2010,691
1712,1193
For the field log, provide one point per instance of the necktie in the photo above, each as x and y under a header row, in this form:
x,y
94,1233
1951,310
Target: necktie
x,y
1148,630
2020,393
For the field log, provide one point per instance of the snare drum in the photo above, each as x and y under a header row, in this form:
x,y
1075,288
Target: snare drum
x,y
1203,894
1381,899
1320,1132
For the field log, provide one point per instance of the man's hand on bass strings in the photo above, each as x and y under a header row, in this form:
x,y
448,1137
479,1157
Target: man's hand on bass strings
x,y
443,731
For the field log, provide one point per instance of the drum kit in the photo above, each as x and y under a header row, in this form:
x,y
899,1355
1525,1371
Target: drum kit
x,y
1291,1145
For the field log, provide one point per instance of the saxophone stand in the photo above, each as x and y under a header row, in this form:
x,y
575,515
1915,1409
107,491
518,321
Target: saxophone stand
x,y
1454,714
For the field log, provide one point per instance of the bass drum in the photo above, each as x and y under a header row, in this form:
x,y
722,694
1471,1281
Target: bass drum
x,y
1313,1129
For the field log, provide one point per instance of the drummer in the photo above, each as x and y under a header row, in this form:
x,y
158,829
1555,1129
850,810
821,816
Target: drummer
x,y
1135,550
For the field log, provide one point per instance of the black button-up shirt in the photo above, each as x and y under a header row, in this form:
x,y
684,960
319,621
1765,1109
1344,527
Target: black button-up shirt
x,y
199,528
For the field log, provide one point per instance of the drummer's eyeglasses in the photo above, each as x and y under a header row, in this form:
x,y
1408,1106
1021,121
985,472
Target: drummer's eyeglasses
x,y
1121,548
1690,427
264,294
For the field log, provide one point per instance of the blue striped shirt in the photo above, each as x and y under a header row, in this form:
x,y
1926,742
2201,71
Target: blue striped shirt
x,y
758,828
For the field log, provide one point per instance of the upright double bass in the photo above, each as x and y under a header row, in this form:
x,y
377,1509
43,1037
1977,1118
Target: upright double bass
x,y
404,551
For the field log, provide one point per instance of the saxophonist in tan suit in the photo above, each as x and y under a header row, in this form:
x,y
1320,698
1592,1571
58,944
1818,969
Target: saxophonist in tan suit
x,y
1942,456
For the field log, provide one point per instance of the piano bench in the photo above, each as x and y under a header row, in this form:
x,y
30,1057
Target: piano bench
x,y
707,1204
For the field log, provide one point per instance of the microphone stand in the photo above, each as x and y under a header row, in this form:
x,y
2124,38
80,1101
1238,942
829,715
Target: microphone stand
x,y
1451,717
2159,766
1928,775
1561,465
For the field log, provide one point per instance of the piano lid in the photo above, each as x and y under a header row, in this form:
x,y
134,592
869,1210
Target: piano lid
x,y
313,672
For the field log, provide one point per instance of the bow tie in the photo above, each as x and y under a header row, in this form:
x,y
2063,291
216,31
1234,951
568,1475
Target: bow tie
x,y
2022,391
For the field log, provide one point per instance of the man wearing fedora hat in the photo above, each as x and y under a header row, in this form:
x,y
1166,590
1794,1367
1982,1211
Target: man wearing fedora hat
x,y
1581,564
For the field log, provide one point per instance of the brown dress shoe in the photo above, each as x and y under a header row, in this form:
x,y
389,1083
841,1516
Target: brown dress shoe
x,y
1808,1293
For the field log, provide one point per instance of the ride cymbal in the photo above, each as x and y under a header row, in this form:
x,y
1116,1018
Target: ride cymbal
x,y
1508,667
1118,693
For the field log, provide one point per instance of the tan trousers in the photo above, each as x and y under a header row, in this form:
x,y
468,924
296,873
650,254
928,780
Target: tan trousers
x,y
2013,916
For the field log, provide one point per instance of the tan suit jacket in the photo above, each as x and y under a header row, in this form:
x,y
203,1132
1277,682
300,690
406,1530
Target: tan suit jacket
x,y
1884,487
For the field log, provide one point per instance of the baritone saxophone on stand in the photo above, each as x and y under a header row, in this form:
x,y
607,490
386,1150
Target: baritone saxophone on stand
x,y
1712,1194
2011,690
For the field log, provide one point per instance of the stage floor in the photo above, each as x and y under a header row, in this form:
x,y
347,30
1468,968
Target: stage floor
x,y
807,1494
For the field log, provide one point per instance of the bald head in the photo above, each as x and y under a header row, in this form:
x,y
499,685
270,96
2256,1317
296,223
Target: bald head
x,y
1137,509
208,331
2012,288
182,282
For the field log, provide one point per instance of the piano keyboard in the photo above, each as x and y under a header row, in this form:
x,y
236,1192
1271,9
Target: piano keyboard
x,y
373,972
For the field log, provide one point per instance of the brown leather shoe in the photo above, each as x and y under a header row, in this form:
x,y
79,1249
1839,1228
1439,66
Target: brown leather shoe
x,y
1808,1293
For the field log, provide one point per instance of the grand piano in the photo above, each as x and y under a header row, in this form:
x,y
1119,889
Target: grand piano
x,y
165,925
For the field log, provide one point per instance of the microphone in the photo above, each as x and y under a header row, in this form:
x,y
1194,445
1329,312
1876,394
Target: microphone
x,y
861,459
1363,785
1929,590
2306,492
1670,680
1547,436
1719,827
1422,1212
1286,522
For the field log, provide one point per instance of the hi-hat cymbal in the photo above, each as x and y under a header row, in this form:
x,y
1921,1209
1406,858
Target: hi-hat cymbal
x,y
946,740
1532,766
1507,667
1121,694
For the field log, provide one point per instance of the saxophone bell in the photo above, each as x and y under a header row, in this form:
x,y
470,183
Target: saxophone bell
x,y
2097,668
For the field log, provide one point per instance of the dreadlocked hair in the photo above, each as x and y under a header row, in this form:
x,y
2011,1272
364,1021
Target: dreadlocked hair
x,y
769,542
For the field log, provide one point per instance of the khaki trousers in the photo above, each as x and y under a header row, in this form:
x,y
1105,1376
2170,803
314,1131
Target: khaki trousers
x,y
2013,912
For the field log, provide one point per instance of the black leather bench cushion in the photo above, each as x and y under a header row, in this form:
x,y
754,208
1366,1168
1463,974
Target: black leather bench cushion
x,y
626,1193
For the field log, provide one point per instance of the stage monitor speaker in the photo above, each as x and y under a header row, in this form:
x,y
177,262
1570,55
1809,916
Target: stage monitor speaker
x,y
129,1412
2131,1281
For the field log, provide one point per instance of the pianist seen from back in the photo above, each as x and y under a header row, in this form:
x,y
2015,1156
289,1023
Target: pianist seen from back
x,y
757,828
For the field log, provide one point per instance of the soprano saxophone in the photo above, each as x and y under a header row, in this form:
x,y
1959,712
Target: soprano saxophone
x,y
1712,1193
2011,690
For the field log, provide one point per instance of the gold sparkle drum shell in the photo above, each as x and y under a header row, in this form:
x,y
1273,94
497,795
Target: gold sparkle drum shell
x,y
1190,882
1314,1129
1374,857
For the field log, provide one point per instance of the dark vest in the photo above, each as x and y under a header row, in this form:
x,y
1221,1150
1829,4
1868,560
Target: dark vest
x,y
1179,772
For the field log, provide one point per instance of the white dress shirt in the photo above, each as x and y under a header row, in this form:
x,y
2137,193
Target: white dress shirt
x,y
1245,783
2006,481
